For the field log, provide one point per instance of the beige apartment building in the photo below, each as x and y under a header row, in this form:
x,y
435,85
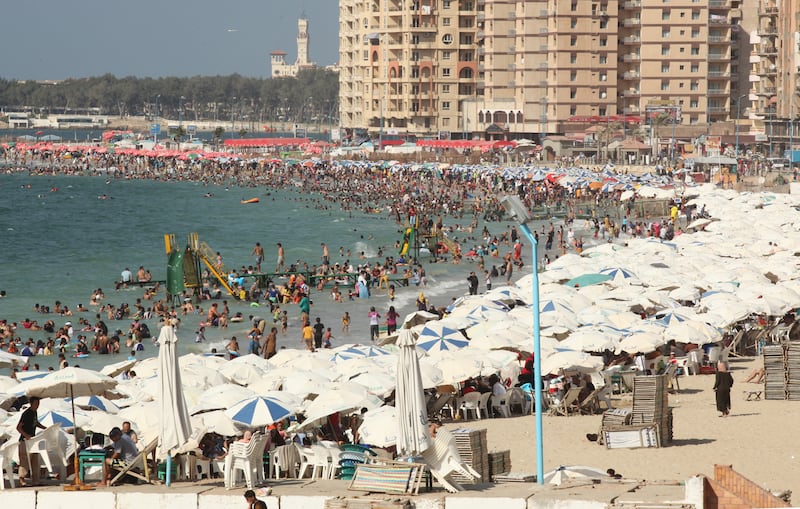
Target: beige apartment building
x,y
774,97
513,68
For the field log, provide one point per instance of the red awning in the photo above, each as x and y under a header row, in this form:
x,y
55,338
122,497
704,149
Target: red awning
x,y
266,142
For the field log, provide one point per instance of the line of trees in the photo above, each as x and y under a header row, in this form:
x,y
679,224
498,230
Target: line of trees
x,y
310,97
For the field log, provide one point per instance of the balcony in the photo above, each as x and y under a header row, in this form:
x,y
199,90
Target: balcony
x,y
718,74
767,50
718,92
766,91
718,109
631,40
768,71
717,57
718,39
630,75
630,93
719,4
631,110
632,4
632,22
771,31
631,57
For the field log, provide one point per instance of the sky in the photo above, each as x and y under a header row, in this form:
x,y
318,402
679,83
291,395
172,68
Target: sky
x,y
58,39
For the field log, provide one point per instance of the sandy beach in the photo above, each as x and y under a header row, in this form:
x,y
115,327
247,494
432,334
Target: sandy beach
x,y
754,438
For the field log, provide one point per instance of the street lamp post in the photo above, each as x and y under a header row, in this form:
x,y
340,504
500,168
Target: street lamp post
x,y
518,211
738,104
155,136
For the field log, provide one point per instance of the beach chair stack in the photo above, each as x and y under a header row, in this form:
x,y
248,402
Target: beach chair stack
x,y
651,405
473,447
793,371
775,372
499,463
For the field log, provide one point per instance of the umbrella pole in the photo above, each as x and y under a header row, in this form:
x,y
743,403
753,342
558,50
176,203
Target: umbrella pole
x,y
77,484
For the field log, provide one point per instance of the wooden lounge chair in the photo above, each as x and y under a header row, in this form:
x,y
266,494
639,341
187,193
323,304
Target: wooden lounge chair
x,y
590,404
567,404
133,468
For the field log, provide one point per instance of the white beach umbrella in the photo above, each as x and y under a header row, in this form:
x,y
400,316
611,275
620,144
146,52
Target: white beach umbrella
x,y
221,397
341,397
563,474
417,318
570,360
215,421
118,368
242,373
102,422
413,437
175,426
592,339
8,360
380,427
303,383
641,342
377,383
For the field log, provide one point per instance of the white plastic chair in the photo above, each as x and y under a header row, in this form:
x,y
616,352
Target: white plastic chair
x,y
316,457
334,455
501,403
516,398
470,404
693,361
443,459
8,455
248,458
285,458
47,445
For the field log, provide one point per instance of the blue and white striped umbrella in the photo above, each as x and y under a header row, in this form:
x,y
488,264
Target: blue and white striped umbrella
x,y
617,273
259,411
63,418
95,403
440,338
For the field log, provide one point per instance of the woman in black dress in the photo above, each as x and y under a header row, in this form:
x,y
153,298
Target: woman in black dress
x,y
722,386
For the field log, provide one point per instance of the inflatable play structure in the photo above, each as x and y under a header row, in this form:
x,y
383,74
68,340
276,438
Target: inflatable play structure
x,y
184,267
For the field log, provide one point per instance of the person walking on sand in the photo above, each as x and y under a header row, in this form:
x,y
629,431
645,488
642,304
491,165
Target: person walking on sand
x,y
281,258
26,426
722,386
258,252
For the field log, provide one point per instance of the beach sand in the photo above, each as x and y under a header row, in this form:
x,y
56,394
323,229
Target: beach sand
x,y
758,438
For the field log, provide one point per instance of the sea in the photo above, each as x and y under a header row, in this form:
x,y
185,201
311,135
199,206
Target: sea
x,y
66,236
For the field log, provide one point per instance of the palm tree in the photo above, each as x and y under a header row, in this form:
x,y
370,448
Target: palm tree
x,y
661,119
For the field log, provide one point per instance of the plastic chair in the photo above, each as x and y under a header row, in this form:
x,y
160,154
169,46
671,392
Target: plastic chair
x,y
285,458
316,457
501,403
247,458
516,398
470,403
443,459
8,455
47,445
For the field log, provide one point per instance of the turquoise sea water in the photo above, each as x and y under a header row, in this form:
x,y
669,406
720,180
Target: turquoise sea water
x,y
62,245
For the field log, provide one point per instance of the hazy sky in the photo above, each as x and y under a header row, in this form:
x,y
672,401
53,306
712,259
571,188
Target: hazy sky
x,y
58,39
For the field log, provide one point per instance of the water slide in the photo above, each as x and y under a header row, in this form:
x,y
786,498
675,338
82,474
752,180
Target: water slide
x,y
406,242
206,254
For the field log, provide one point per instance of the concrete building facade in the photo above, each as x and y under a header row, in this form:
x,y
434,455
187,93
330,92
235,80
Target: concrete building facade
x,y
512,68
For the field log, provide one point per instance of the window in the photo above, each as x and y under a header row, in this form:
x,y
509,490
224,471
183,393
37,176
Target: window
x,y
445,22
445,4
604,23
573,23
415,56
602,112
695,50
414,39
665,67
695,15
574,6
445,55
445,89
694,103
415,89
445,105
680,85
603,76
664,51
694,86
665,33
573,75
665,15
603,41
695,68
415,72
683,32
695,33
447,39
445,72
664,85
573,41
445,122
573,92
603,94
573,58
573,110
681,67
603,59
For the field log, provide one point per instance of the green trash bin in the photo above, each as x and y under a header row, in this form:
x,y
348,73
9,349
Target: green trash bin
x,y
162,471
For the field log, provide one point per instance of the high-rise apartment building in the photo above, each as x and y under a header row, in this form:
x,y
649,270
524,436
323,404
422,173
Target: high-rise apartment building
x,y
523,68
774,98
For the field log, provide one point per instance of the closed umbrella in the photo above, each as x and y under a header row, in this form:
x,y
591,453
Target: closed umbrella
x,y
175,426
413,436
